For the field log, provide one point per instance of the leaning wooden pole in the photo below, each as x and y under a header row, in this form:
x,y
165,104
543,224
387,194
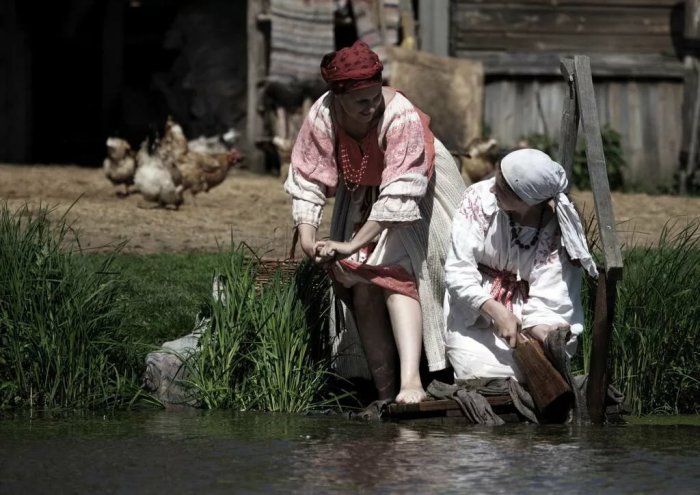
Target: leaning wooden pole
x,y
569,119
580,104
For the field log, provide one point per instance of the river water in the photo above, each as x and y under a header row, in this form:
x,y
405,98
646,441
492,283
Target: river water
x,y
223,452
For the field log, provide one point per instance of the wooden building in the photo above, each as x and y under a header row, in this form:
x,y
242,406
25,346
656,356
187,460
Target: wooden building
x,y
73,72
637,50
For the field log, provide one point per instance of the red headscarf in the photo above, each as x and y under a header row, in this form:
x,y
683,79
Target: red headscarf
x,y
351,68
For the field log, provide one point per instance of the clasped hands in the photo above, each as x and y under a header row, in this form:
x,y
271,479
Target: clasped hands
x,y
327,251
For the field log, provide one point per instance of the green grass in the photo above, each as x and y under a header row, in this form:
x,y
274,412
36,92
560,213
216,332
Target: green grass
x,y
59,319
162,293
75,328
654,352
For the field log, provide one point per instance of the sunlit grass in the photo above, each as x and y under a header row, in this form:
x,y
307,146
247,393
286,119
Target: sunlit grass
x,y
654,353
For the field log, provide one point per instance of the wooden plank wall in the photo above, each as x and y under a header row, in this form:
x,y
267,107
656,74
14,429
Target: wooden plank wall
x,y
646,111
612,26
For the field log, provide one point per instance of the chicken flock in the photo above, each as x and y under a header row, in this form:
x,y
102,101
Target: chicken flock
x,y
163,169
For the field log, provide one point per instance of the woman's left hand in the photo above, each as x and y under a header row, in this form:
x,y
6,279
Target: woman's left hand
x,y
540,332
332,250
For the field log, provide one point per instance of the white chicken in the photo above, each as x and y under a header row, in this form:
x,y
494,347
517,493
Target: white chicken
x,y
120,164
158,183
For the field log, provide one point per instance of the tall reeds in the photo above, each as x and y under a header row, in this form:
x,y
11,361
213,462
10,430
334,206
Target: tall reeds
x,y
58,318
655,345
260,351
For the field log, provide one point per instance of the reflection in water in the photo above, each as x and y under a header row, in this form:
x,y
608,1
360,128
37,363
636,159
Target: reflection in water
x,y
225,452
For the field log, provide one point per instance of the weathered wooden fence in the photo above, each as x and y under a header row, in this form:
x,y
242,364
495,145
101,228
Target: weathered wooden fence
x,y
634,47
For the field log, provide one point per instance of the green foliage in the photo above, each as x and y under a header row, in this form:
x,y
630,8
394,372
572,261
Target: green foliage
x,y
161,293
612,149
655,353
59,346
261,350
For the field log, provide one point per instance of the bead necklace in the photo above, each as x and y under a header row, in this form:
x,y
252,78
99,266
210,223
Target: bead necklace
x,y
352,177
516,229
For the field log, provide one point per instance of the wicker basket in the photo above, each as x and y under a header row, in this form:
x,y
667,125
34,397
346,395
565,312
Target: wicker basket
x,y
269,266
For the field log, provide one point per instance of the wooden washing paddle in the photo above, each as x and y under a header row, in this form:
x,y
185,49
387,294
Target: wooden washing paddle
x,y
547,387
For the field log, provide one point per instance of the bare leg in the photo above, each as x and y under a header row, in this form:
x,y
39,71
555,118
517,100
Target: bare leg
x,y
407,323
374,328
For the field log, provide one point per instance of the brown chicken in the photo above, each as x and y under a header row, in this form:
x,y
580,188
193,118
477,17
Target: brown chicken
x,y
203,171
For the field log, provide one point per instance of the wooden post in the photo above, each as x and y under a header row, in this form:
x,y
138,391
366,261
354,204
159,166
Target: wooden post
x,y
691,96
434,23
569,119
612,257
256,72
606,293
112,61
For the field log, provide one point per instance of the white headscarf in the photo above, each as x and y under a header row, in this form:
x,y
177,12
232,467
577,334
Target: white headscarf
x,y
535,178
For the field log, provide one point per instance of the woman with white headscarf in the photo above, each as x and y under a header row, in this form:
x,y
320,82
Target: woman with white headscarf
x,y
514,265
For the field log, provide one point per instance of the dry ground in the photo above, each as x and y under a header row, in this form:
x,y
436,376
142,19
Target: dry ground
x,y
246,207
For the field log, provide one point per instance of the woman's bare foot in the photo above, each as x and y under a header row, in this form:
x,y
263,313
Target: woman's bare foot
x,y
411,395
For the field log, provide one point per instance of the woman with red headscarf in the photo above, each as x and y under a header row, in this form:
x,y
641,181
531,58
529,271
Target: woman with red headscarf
x,y
396,188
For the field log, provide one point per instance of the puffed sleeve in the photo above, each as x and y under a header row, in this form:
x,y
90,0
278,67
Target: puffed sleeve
x,y
405,174
555,288
313,175
462,276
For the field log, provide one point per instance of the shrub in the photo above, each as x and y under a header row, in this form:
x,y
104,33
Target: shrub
x,y
612,149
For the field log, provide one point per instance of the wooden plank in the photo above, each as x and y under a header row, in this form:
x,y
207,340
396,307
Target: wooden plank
x,y
691,121
661,4
569,119
435,26
524,42
597,168
603,319
567,20
443,405
691,14
654,66
256,67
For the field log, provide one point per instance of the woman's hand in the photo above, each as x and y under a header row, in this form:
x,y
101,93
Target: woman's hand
x,y
307,241
505,324
540,332
333,250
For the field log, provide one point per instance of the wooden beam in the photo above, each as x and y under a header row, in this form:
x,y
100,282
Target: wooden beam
x,y
256,72
568,20
564,42
441,405
597,169
691,29
661,4
603,319
569,119
655,66
434,26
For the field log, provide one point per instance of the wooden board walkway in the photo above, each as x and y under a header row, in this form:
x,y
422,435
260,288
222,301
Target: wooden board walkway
x,y
501,405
